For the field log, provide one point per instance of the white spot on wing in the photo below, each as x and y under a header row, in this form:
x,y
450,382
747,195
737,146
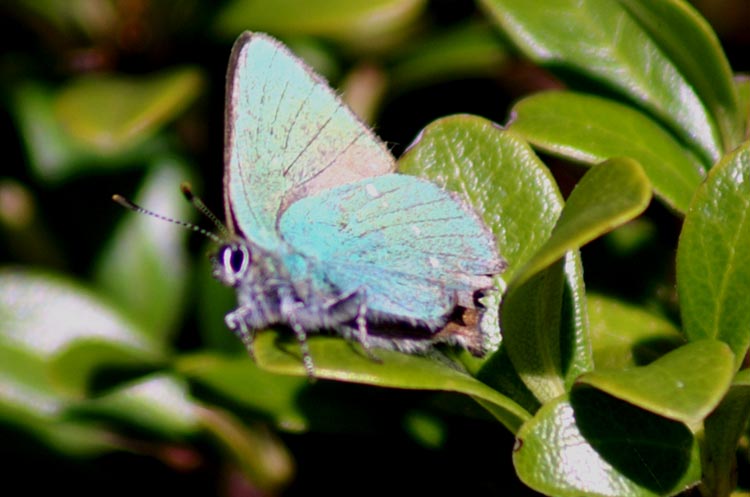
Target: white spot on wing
x,y
372,191
416,230
433,262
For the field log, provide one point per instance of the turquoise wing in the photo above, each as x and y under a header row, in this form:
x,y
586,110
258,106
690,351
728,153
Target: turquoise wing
x,y
415,248
288,136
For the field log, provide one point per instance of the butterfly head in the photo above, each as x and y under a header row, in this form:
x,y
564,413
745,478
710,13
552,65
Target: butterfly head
x,y
232,262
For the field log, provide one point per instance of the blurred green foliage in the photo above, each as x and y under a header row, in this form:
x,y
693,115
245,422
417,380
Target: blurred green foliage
x,y
118,375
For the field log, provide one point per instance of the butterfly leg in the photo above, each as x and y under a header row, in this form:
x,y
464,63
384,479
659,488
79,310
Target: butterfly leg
x,y
236,322
291,312
361,322
359,332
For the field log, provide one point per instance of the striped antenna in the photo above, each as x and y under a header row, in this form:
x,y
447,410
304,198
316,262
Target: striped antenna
x,y
193,227
187,191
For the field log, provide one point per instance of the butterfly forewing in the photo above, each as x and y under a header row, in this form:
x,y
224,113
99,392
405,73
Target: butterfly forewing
x,y
288,136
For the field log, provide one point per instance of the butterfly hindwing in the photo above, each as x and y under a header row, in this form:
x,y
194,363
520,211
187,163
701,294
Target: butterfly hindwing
x,y
416,249
288,136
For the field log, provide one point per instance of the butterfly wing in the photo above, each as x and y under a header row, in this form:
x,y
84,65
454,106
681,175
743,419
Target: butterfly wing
x,y
287,136
416,249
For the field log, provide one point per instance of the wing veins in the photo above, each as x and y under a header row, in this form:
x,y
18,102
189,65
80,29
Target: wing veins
x,y
446,255
399,208
381,228
309,143
244,184
295,120
281,98
336,157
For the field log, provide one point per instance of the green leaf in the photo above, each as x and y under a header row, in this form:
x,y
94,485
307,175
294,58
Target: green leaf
x,y
337,359
144,267
339,19
591,129
53,154
545,328
685,384
742,84
713,263
531,320
32,404
690,43
723,429
68,327
576,357
608,195
159,403
469,50
594,445
546,335
600,40
277,396
111,113
624,335
48,146
499,373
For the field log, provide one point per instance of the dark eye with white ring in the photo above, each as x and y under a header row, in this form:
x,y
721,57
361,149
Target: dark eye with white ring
x,y
235,258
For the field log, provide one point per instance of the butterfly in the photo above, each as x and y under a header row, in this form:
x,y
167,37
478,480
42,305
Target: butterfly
x,y
322,234
325,235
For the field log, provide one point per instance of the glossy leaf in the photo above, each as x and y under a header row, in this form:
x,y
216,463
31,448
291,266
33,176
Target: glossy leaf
x,y
691,44
624,335
548,344
684,384
329,18
336,359
595,445
723,429
591,129
68,327
545,328
713,263
600,40
110,113
531,320
575,332
144,267
607,196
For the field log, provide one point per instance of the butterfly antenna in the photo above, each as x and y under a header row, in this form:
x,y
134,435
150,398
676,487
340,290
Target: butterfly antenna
x,y
137,208
198,204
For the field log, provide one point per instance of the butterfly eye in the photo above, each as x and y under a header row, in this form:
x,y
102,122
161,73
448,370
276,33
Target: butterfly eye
x,y
236,258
